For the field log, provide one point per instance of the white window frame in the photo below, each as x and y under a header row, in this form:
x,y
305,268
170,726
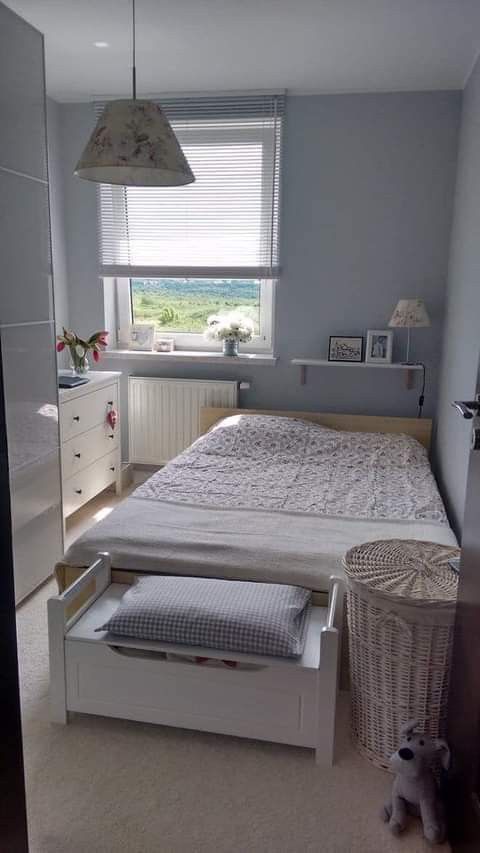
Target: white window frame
x,y
262,343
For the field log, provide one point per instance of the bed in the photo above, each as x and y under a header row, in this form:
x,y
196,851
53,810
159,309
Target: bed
x,y
274,497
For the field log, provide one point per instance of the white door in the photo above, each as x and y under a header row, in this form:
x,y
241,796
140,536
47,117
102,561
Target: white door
x,y
464,704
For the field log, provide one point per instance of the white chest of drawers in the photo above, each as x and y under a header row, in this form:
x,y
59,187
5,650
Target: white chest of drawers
x,y
90,446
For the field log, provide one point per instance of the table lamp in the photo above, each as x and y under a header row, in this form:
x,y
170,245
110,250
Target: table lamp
x,y
409,314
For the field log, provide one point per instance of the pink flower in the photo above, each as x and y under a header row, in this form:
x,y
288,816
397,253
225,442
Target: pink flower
x,y
60,346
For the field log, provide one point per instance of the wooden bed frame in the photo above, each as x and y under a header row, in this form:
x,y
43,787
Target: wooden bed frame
x,y
419,428
314,685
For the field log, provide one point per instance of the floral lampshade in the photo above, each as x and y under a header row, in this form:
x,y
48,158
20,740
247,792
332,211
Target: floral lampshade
x,y
133,144
410,313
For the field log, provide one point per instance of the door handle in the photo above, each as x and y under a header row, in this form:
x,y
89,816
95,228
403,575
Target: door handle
x,y
467,408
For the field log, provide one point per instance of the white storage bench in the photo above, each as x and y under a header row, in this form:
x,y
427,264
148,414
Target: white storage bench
x,y
276,699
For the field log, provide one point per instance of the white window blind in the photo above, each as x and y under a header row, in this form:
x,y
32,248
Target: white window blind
x,y
224,225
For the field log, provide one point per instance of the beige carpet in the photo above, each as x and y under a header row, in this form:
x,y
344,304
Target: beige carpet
x,y
108,786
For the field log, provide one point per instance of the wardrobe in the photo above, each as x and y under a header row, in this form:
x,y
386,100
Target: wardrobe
x,y
27,329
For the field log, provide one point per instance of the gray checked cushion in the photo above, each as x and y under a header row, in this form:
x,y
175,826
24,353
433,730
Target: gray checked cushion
x,y
234,616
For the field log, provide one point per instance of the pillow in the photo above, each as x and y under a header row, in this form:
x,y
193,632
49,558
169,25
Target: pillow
x,y
257,436
234,616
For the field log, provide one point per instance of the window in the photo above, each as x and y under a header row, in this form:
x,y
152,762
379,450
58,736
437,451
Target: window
x,y
183,305
180,307
180,254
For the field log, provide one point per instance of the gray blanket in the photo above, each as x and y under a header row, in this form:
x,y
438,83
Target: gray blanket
x,y
246,544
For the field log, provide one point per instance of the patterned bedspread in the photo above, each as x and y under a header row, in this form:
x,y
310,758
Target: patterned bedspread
x,y
275,463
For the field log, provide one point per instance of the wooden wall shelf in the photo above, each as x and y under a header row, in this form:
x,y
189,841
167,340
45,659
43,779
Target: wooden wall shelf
x,y
303,363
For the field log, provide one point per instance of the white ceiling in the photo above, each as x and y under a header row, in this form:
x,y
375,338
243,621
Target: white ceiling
x,y
302,45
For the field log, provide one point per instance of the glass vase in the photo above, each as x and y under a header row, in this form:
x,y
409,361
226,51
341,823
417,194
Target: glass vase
x,y
78,363
230,346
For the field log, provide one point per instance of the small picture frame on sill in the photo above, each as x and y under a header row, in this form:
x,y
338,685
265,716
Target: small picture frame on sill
x,y
141,337
164,345
379,346
343,348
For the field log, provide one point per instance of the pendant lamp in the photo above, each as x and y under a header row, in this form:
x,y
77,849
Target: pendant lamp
x,y
133,144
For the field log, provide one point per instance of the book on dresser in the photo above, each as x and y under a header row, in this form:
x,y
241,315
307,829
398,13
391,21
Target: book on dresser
x,y
90,438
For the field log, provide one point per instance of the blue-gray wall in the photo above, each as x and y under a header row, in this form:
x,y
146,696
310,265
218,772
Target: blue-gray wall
x,y
366,197
462,328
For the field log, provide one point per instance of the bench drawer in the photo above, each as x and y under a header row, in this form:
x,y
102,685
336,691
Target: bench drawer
x,y
269,703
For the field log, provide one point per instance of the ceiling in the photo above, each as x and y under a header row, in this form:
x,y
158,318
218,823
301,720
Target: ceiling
x,y
302,45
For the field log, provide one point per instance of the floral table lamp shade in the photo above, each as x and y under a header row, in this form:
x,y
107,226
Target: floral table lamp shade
x,y
408,314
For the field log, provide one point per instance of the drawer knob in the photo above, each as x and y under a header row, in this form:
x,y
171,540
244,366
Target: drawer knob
x,y
110,403
76,418
111,436
77,455
78,491
112,467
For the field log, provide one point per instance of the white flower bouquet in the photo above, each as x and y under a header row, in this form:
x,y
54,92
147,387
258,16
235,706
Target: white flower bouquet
x,y
230,327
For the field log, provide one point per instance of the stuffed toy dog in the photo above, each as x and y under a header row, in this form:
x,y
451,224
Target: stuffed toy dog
x,y
415,789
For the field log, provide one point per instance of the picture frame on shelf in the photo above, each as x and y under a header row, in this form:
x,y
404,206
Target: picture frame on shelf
x,y
345,348
141,337
379,346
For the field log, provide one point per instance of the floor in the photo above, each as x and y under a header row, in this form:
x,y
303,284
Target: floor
x,y
114,786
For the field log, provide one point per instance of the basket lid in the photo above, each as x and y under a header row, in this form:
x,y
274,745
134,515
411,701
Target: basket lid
x,y
404,568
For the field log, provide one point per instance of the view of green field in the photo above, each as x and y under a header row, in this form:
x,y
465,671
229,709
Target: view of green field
x,y
183,304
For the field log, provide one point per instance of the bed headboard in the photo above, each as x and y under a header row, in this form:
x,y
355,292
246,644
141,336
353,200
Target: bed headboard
x,y
419,428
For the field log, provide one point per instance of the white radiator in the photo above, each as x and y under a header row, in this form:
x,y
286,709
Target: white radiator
x,y
164,414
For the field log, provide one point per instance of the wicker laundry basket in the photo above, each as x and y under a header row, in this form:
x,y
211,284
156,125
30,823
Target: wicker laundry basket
x,y
401,605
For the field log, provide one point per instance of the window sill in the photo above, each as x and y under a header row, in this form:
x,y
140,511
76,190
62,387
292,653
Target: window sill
x,y
194,356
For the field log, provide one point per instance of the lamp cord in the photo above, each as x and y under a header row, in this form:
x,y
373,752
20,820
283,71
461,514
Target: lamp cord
x,y
421,398
134,70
